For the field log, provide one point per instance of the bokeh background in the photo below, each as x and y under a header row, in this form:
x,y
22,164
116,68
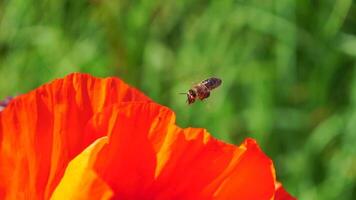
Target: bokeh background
x,y
288,70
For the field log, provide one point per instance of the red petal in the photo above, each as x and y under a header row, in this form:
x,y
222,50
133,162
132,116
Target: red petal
x,y
282,194
40,132
149,157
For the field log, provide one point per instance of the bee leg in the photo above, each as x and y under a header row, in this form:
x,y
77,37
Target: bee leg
x,y
207,95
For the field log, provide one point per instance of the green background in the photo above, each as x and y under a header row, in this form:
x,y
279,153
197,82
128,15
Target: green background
x,y
288,70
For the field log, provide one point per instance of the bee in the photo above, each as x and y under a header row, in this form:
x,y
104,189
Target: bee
x,y
202,89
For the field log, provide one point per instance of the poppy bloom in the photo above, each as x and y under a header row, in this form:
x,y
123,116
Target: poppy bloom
x,y
82,137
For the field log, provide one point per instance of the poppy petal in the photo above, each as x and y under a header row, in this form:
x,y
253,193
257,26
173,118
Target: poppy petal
x,y
148,156
40,132
282,194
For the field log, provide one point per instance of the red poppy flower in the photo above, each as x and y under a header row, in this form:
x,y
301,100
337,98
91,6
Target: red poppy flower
x,y
88,138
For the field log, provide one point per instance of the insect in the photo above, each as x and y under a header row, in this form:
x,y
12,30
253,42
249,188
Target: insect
x,y
202,89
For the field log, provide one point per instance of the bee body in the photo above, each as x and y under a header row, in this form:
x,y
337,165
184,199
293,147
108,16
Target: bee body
x,y
211,83
202,89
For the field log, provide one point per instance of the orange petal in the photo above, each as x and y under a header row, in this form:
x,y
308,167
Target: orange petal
x,y
252,178
40,132
282,194
149,157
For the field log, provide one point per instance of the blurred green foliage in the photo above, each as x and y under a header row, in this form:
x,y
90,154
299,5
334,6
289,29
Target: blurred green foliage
x,y
288,70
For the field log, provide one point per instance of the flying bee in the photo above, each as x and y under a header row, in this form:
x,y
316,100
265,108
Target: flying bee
x,y
202,89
